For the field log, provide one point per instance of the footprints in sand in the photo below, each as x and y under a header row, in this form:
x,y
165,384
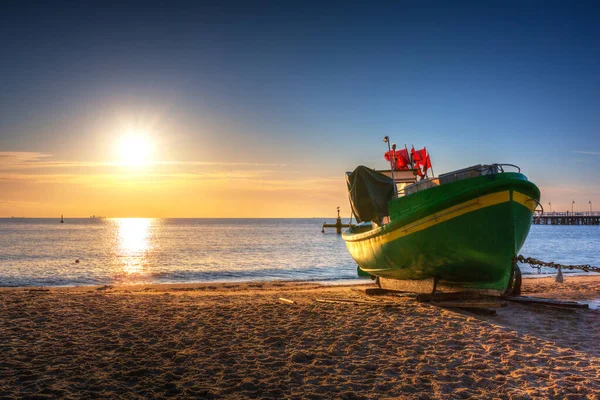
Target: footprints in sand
x,y
247,344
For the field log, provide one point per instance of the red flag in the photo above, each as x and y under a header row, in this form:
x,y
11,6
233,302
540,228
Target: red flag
x,y
402,160
426,164
419,156
388,155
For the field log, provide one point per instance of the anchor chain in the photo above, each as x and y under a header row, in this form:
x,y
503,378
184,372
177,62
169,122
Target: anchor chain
x,y
533,263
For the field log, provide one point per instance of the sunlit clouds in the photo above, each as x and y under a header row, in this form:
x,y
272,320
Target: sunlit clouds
x,y
38,184
35,160
21,159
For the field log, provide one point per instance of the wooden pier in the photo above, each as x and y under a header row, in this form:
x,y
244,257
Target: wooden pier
x,y
568,218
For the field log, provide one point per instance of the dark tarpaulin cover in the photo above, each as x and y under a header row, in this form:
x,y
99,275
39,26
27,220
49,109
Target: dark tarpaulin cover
x,y
369,193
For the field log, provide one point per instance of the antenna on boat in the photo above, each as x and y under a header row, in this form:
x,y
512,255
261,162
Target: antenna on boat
x,y
386,139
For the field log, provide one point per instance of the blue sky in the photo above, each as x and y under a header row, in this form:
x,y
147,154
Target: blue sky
x,y
311,88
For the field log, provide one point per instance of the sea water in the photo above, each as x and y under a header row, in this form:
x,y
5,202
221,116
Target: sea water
x,y
44,252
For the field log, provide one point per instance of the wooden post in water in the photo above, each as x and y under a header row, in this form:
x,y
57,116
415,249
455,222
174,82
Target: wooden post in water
x,y
338,224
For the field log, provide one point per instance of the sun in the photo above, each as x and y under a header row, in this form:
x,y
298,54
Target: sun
x,y
135,149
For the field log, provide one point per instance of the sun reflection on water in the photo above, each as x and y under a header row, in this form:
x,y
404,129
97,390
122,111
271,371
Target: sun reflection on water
x,y
134,243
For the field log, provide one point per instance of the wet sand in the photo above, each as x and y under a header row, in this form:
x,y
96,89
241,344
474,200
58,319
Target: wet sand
x,y
241,341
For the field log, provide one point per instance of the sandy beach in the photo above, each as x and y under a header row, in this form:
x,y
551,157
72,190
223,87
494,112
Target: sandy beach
x,y
242,341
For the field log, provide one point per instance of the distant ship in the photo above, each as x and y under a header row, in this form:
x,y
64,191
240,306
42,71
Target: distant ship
x,y
97,217
62,220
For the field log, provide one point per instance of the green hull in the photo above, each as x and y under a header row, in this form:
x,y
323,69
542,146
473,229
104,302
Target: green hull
x,y
463,233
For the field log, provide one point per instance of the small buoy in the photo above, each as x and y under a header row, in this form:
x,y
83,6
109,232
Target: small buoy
x,y
76,261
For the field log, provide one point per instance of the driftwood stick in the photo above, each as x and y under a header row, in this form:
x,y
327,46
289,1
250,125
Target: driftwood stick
x,y
384,292
547,302
469,304
424,297
377,292
351,301
287,300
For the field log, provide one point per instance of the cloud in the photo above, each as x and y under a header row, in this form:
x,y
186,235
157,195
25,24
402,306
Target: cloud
x,y
17,157
310,184
13,203
15,160
19,168
591,153
241,181
128,178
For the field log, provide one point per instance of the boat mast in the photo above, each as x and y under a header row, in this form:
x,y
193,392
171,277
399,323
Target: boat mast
x,y
392,162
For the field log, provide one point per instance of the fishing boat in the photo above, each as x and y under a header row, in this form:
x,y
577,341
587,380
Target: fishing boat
x,y
455,232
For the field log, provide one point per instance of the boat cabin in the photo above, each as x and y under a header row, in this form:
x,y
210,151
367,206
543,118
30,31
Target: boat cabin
x,y
371,190
403,178
407,182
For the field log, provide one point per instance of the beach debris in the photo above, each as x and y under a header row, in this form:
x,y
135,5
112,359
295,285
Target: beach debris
x,y
77,261
105,287
287,300
547,302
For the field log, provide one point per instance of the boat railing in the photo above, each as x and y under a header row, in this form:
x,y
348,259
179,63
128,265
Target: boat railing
x,y
495,168
470,172
501,166
538,212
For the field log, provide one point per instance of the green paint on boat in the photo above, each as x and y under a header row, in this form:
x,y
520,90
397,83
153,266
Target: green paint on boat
x,y
362,273
464,233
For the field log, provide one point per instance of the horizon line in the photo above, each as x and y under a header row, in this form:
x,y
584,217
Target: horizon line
x,y
91,217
